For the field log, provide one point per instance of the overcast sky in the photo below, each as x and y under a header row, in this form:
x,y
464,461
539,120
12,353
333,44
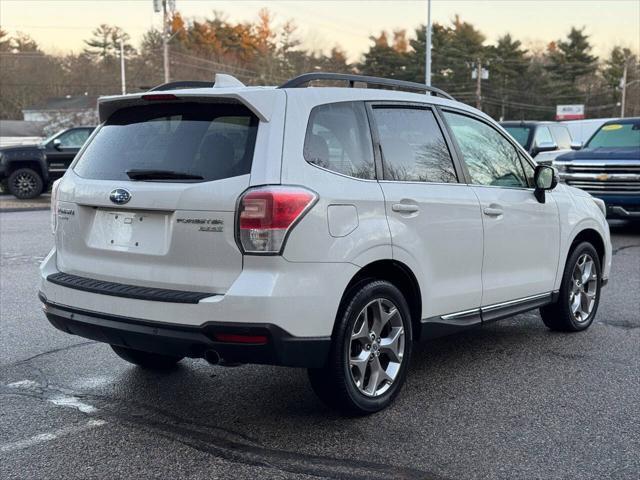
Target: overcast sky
x,y
61,26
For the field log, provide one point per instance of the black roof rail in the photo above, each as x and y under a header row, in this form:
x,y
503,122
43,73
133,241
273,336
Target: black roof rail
x,y
303,79
184,84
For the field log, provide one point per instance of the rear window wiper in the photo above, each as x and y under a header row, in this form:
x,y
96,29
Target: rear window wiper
x,y
142,174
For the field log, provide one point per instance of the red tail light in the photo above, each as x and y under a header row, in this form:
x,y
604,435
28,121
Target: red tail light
x,y
238,338
267,214
159,97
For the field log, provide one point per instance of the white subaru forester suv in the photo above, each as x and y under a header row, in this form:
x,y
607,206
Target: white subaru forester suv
x,y
326,228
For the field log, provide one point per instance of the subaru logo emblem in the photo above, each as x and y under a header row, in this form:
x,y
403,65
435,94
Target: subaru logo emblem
x,y
119,196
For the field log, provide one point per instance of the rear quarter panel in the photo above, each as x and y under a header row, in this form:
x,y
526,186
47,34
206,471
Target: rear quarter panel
x,y
312,240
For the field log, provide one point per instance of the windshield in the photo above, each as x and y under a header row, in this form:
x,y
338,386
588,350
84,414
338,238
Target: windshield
x,y
191,141
520,133
616,135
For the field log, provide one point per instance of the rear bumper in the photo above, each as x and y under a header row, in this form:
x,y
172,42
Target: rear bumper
x,y
301,299
275,347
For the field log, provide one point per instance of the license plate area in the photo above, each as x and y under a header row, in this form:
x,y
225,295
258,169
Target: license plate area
x,y
130,231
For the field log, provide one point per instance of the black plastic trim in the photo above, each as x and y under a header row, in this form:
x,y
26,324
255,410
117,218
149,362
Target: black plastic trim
x,y
281,348
126,291
498,312
440,326
437,327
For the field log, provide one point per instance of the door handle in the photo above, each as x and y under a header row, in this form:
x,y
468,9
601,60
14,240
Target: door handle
x,y
492,211
404,208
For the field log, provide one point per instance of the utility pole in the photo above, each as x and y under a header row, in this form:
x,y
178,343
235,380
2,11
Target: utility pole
x,y
427,63
122,70
165,6
479,84
165,41
623,84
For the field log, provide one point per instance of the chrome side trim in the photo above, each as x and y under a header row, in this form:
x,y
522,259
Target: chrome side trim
x,y
462,314
497,306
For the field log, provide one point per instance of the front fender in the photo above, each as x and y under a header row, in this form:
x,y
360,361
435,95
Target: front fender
x,y
577,214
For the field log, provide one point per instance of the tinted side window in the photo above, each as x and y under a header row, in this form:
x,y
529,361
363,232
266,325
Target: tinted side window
x,y
543,135
74,138
490,158
338,139
562,136
413,146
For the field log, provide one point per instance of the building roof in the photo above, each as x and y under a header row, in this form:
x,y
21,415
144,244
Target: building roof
x,y
21,128
81,102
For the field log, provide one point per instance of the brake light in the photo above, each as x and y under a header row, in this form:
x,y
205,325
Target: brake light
x,y
159,97
54,206
238,338
267,214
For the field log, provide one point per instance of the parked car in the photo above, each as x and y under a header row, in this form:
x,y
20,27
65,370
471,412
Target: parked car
x,y
543,140
28,170
608,167
326,228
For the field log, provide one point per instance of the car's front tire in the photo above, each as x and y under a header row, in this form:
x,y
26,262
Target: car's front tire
x,y
25,183
370,352
579,294
148,360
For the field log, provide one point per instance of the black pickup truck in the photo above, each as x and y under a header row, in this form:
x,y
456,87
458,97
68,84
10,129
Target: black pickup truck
x,y
28,170
608,167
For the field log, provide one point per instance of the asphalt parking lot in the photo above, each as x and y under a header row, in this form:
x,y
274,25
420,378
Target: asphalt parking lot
x,y
512,400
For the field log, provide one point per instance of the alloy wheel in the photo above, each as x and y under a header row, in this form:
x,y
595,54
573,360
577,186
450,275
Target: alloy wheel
x,y
25,184
583,289
376,347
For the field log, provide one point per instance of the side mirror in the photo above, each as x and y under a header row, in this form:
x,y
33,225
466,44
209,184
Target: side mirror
x,y
544,147
545,178
57,144
575,145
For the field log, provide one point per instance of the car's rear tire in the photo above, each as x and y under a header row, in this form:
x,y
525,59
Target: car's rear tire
x,y
25,183
148,360
579,294
370,352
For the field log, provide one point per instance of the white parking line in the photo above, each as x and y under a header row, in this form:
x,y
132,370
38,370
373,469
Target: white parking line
x,y
60,400
47,437
73,402
27,384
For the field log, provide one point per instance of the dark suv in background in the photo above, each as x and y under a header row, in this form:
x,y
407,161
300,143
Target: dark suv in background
x,y
543,140
608,167
27,170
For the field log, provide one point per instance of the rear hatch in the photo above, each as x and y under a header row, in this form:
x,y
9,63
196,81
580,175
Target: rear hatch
x,y
151,200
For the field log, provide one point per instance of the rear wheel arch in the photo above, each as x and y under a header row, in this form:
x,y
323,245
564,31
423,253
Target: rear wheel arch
x,y
398,274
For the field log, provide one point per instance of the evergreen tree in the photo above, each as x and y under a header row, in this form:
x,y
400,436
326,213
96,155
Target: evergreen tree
x,y
507,65
105,43
569,61
385,60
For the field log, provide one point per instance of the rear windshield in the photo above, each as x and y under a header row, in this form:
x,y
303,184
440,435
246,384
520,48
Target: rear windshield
x,y
520,134
616,135
203,140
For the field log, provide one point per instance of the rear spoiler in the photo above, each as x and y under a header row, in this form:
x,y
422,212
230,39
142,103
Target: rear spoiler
x,y
261,101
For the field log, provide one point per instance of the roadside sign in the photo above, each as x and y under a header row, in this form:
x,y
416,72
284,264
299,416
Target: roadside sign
x,y
569,112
